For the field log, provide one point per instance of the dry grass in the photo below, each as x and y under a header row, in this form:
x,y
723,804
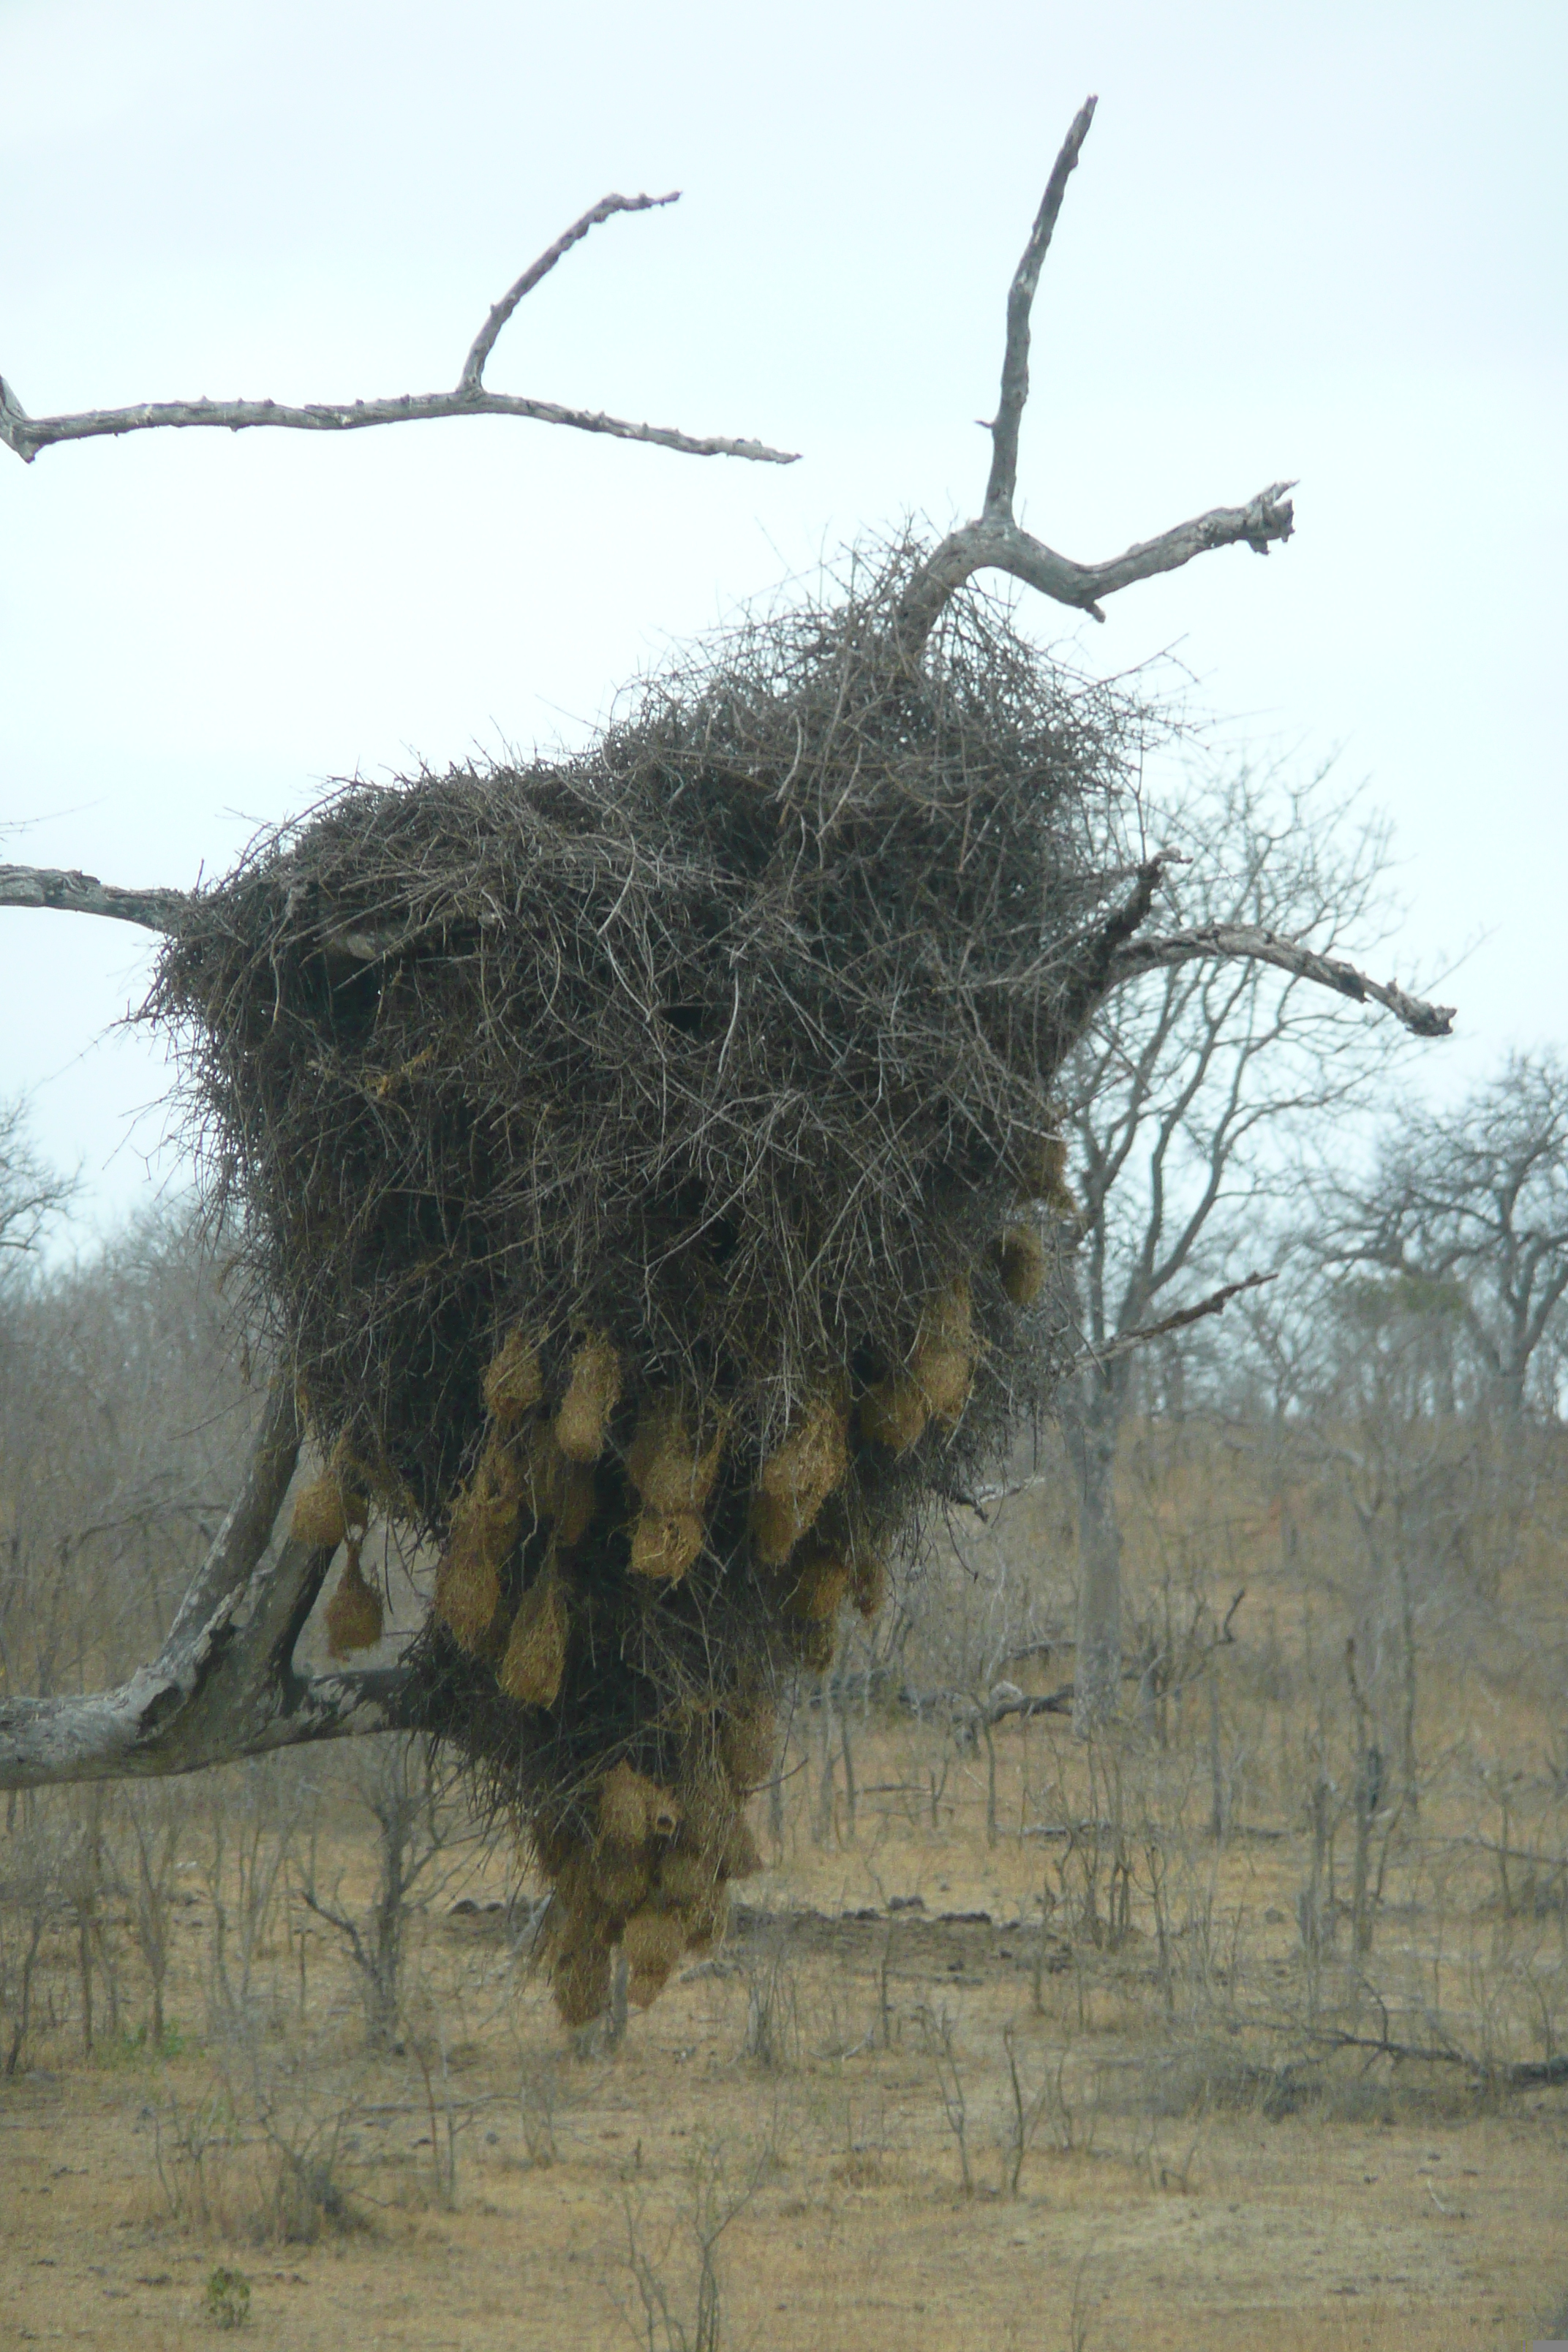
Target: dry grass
x,y
1230,2181
1185,2120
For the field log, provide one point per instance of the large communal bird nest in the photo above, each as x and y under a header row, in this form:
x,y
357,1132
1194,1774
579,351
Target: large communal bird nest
x,y
647,1159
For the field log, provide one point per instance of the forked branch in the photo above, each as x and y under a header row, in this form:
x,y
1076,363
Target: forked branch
x,y
27,434
224,1684
994,541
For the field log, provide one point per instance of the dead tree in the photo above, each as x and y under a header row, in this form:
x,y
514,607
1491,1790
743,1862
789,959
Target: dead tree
x,y
225,1683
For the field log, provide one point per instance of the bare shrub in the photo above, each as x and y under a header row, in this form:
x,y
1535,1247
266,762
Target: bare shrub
x,y
678,2288
538,2096
193,2144
30,1898
301,2121
1021,2117
771,2037
939,2033
253,1818
156,1822
429,2046
86,1884
418,1816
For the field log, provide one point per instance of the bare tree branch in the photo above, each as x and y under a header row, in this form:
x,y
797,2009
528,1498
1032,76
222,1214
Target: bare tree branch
x,y
1530,2073
1009,416
484,341
996,541
27,434
224,1684
1214,1304
1220,941
69,892
1096,958
83,894
1112,957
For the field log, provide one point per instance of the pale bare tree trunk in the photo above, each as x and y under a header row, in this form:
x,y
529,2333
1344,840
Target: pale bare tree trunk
x,y
828,1789
1091,1438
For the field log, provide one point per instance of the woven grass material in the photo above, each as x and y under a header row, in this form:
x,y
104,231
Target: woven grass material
x,y
624,1147
353,1616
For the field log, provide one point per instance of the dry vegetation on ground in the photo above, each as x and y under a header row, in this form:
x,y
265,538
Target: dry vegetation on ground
x,y
1006,2043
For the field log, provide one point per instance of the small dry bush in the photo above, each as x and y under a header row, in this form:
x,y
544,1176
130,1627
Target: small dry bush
x,y
263,2152
226,2299
772,2038
676,2274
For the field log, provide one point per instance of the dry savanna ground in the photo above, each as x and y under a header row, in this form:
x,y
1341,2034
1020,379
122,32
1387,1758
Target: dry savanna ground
x,y
1060,2081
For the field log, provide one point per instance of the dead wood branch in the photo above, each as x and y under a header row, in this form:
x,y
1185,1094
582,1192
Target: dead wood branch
x,y
83,894
27,434
996,541
1114,958
224,1684
1219,941
1214,1304
1524,2075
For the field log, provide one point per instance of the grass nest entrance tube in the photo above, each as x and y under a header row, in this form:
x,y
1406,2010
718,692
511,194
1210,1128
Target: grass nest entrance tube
x,y
646,1161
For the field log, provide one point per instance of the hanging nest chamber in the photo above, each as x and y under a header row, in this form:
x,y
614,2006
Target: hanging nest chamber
x,y
646,1161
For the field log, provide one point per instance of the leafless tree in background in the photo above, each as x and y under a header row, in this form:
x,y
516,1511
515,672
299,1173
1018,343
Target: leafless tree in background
x,y
31,1193
122,1404
1476,1198
1184,1107
1425,1376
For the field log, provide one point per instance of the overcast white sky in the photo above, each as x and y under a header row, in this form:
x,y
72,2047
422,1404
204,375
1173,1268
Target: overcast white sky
x,y
1321,241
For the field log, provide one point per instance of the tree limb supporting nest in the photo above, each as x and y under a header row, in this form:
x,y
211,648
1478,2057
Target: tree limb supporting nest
x,y
1214,1304
1120,958
72,893
996,542
224,1684
27,434
1221,942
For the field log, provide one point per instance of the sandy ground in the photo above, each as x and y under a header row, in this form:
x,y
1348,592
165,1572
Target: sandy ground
x,y
500,2187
